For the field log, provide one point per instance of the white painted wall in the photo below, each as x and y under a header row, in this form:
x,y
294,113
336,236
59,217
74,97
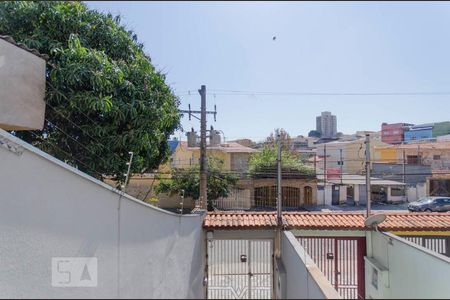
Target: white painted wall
x,y
343,194
410,271
48,209
22,88
304,280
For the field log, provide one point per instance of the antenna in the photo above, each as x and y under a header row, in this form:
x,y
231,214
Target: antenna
x,y
374,220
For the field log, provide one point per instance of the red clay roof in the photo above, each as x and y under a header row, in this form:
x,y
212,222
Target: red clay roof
x,y
395,221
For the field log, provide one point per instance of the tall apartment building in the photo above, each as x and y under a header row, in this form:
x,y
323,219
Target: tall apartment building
x,y
326,124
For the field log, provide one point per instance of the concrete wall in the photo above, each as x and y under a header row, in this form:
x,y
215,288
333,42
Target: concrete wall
x,y
49,209
394,171
303,279
22,88
404,270
416,192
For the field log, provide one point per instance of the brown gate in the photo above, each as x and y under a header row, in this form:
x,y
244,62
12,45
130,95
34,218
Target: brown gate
x,y
341,260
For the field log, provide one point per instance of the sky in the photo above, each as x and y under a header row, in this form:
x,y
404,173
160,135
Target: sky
x,y
259,84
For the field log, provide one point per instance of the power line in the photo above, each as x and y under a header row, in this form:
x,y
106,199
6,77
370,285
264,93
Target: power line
x,y
275,93
68,154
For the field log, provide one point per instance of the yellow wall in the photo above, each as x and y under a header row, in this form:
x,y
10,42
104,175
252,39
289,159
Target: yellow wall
x,y
387,155
185,157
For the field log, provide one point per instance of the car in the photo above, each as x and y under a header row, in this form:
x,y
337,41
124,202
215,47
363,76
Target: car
x,y
430,204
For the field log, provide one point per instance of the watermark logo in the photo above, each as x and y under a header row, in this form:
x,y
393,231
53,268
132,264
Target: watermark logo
x,y
74,271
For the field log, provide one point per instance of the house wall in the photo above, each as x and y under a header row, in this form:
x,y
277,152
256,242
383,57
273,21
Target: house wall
x,y
251,184
405,269
303,279
327,199
142,187
49,209
184,157
415,174
418,134
352,155
414,193
441,128
22,88
386,155
392,133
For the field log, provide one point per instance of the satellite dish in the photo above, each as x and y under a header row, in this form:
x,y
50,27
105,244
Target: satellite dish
x,y
374,220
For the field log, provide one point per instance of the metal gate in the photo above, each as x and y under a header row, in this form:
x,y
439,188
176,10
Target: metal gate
x,y
341,260
439,244
240,269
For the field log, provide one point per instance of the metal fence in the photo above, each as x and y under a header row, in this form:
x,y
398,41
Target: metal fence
x,y
240,269
439,244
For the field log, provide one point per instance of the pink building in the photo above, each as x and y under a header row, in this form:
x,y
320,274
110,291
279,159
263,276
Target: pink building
x,y
393,133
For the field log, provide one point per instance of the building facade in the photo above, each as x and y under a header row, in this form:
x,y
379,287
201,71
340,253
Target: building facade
x,y
326,124
393,133
435,154
419,132
347,157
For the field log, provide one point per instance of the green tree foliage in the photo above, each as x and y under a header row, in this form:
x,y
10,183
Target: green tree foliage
x,y
264,164
219,182
314,133
104,96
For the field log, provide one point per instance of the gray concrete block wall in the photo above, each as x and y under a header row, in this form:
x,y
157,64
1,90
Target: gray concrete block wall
x,y
48,209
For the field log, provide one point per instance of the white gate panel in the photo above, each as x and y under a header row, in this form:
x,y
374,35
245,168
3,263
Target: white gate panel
x,y
240,269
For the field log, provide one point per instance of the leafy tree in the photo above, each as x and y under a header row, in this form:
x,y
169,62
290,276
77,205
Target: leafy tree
x,y
314,133
264,164
219,182
104,97
286,141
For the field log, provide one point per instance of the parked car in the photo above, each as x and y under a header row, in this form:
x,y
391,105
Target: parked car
x,y
429,204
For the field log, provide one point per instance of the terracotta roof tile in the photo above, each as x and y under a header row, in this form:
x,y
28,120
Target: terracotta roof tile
x,y
395,221
10,40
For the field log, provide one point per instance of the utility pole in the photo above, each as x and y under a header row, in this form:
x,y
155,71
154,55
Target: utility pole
x,y
279,201
341,162
203,166
203,176
404,171
324,171
368,189
279,189
404,166
315,163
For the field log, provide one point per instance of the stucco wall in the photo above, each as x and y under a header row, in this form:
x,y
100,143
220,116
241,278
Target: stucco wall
x,y
22,88
48,209
304,280
411,271
352,155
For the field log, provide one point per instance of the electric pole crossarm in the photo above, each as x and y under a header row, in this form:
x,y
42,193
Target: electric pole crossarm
x,y
196,112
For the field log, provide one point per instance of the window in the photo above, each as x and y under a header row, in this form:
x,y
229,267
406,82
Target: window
x,y
266,196
413,159
436,157
397,191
